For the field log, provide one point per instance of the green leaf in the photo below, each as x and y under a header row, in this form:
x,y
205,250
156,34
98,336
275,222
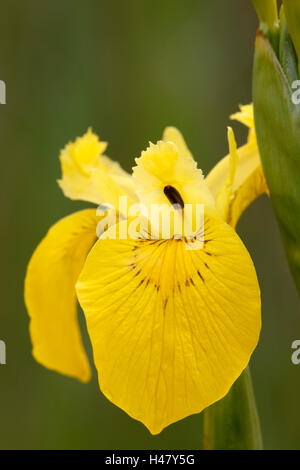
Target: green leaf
x,y
232,423
277,123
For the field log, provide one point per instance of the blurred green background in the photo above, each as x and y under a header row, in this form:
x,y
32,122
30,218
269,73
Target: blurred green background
x,y
126,68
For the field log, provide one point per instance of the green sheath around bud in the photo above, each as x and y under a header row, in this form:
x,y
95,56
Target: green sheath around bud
x,y
287,55
277,122
292,11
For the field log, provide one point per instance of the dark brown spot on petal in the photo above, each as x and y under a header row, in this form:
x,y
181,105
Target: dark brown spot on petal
x,y
173,196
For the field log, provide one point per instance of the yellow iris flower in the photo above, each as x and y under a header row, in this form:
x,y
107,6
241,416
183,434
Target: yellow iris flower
x,y
171,329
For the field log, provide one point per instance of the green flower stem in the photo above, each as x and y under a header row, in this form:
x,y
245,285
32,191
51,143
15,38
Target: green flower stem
x,y
268,17
267,12
233,422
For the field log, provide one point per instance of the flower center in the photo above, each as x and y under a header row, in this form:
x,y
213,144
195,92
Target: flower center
x,y
173,196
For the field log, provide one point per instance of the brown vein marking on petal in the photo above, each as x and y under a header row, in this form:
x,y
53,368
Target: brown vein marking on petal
x,y
154,262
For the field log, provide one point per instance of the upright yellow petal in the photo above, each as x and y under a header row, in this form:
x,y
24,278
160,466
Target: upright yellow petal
x,y
164,177
172,134
245,115
253,187
50,294
225,194
249,182
249,160
112,187
87,174
168,346
162,165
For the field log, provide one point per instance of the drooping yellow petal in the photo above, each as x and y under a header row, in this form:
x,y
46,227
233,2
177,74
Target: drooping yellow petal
x,y
171,328
172,134
50,294
87,174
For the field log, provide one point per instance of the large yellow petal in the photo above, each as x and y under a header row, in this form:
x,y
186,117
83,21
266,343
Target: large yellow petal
x,y
50,294
171,328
